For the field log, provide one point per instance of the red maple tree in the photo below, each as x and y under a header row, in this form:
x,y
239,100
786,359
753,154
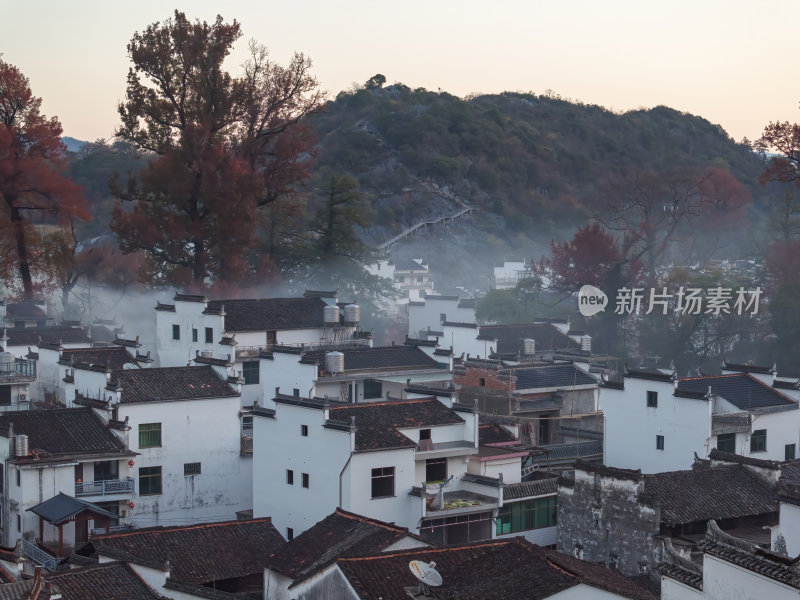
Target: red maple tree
x,y
32,180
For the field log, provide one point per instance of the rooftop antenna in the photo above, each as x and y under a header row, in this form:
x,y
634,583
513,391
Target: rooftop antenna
x,y
427,575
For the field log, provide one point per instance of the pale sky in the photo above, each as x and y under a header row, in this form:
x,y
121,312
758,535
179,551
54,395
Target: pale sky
x,y
732,62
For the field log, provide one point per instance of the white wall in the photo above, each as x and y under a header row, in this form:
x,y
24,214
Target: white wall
x,y
402,509
463,340
788,528
631,427
675,590
782,427
285,371
725,581
205,431
188,316
277,446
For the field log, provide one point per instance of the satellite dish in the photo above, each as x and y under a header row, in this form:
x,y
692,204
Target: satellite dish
x,y
426,573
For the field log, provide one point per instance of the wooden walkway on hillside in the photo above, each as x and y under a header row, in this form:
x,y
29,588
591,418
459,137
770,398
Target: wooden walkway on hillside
x,y
467,210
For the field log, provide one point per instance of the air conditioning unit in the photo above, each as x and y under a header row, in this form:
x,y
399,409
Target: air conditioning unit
x,y
23,398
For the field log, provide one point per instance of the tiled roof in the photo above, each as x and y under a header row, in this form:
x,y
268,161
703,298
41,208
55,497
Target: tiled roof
x,y
20,590
197,553
493,569
377,423
561,376
530,489
745,368
492,433
467,303
61,508
338,535
751,557
742,390
195,590
407,264
62,431
271,313
678,573
113,580
25,310
509,337
114,357
171,383
379,358
32,336
709,493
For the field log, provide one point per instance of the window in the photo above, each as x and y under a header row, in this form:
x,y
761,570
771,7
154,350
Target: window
x,y
105,470
726,442
250,372
424,434
529,514
194,334
305,480
652,399
789,452
5,395
149,435
209,335
372,389
420,279
383,482
191,469
482,382
289,534
149,481
435,469
19,477
296,392
758,441
176,332
289,477
659,442
304,430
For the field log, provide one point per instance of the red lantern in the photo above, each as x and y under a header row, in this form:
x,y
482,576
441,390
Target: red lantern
x,y
131,463
131,505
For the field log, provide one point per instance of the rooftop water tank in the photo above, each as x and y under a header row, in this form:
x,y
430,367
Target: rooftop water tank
x,y
334,362
529,346
352,313
21,445
330,314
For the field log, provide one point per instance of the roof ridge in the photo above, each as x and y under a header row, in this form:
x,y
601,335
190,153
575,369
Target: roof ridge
x,y
428,550
356,517
350,405
163,529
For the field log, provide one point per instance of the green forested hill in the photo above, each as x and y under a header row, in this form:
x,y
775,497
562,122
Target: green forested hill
x,y
538,166
537,161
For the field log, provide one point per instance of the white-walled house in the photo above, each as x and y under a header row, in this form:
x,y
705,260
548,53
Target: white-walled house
x,y
731,568
786,536
431,310
656,422
186,425
53,360
17,376
338,535
497,569
352,373
239,331
371,459
70,451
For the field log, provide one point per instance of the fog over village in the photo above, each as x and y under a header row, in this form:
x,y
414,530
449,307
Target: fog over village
x,y
274,341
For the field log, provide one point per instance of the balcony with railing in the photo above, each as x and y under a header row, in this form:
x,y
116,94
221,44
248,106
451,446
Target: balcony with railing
x,y
21,370
106,487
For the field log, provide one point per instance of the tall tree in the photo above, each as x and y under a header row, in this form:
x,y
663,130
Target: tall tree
x,y
32,165
222,148
335,256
